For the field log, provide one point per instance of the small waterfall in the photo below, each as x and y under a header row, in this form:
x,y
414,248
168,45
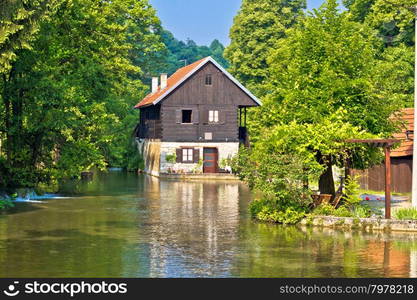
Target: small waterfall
x,y
29,195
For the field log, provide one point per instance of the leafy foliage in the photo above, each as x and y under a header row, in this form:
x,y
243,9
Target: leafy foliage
x,y
19,23
180,53
279,178
330,79
323,90
329,210
392,19
256,29
351,196
66,103
5,204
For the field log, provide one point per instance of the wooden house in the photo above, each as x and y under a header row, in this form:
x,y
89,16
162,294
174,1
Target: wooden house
x,y
401,160
193,121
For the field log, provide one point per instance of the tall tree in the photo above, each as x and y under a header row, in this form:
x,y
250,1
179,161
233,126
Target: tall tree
x,y
393,19
65,101
323,75
180,53
19,22
256,28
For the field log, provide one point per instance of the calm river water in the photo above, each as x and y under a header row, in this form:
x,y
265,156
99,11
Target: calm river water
x,y
127,225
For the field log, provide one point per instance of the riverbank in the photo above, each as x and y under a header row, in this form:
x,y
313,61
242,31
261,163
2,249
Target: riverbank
x,y
364,224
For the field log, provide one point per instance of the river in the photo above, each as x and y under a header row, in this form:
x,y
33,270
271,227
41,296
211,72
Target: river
x,y
128,225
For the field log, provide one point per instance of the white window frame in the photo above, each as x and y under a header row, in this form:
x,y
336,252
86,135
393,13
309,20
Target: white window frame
x,y
187,155
213,116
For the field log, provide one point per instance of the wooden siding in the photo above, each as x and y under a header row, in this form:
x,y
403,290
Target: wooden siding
x,y
150,126
195,91
223,95
194,132
374,178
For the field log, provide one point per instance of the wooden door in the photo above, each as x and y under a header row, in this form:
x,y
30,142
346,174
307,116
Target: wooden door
x,y
210,160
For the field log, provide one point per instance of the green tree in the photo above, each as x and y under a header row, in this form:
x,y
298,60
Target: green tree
x,y
393,19
67,102
256,28
180,53
323,81
217,52
19,23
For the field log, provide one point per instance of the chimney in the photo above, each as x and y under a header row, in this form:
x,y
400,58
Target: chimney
x,y
154,84
164,79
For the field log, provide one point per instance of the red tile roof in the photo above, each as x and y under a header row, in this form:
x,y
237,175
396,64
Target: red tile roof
x,y
406,146
172,81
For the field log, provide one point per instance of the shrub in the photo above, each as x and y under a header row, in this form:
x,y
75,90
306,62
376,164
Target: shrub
x,y
329,210
351,196
362,211
406,213
5,204
324,210
288,215
279,177
171,158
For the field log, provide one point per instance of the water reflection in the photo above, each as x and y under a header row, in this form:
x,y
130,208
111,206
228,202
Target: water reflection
x,y
193,226
123,225
312,252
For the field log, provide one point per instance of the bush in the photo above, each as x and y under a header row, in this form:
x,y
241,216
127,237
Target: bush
x,y
171,158
363,211
406,213
357,211
5,204
271,211
279,177
329,210
351,197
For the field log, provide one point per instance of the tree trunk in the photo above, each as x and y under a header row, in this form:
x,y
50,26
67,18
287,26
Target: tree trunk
x,y
326,182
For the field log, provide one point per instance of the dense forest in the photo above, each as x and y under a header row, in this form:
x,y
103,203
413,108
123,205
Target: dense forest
x,y
71,72
324,76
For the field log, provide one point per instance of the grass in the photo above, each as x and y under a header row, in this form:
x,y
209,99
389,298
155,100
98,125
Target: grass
x,y
406,213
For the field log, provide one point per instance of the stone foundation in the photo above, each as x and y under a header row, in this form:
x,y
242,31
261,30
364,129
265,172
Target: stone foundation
x,y
155,152
226,150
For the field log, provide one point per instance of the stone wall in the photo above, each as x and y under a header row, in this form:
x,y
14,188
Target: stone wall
x,y
365,224
226,150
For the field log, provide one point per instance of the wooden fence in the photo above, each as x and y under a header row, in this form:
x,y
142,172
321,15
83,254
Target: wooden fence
x,y
374,178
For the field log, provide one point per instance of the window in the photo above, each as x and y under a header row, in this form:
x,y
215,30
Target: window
x,y
208,79
187,155
186,116
213,116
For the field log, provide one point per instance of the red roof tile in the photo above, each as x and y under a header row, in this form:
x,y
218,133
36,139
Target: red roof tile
x,y
172,81
406,146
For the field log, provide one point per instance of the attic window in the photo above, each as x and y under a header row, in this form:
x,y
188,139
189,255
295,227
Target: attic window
x,y
186,116
208,79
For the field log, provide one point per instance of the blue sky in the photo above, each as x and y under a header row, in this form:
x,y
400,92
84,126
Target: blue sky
x,y
202,20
